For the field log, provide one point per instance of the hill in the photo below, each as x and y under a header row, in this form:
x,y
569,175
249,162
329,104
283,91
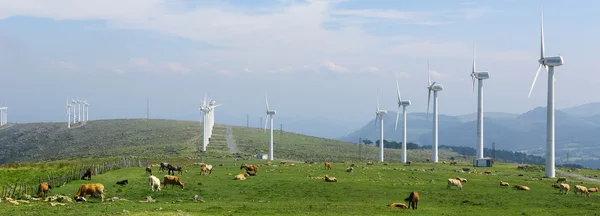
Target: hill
x,y
172,138
576,134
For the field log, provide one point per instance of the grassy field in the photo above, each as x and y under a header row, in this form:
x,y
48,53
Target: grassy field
x,y
300,190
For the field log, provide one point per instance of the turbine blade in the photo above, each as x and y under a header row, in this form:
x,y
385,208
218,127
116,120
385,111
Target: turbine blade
x,y
397,117
398,89
535,79
266,120
474,45
428,99
377,99
428,74
267,102
473,82
542,33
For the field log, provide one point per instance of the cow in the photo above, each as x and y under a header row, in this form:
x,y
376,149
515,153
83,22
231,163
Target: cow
x,y
581,189
502,183
399,205
249,168
561,179
172,169
330,179
452,182
594,189
123,182
522,187
153,182
163,166
149,170
240,176
88,173
327,165
564,187
91,189
172,180
204,168
413,199
43,189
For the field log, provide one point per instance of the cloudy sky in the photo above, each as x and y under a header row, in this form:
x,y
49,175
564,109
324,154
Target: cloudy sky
x,y
316,59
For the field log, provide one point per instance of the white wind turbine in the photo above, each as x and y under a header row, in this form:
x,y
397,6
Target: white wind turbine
x,y
74,103
270,114
87,110
379,113
480,76
403,104
211,106
3,116
435,88
79,111
68,114
204,112
549,63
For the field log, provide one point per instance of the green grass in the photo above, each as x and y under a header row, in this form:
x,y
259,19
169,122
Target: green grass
x,y
299,190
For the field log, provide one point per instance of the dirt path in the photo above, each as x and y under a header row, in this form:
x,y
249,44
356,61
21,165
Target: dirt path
x,y
583,178
230,141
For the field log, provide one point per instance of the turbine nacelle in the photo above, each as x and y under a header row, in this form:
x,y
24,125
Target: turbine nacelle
x,y
271,112
404,103
436,87
552,61
482,75
381,112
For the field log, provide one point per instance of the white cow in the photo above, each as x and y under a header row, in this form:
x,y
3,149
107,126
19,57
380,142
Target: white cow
x,y
152,182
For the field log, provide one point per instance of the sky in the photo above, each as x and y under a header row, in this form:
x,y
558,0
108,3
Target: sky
x,y
317,60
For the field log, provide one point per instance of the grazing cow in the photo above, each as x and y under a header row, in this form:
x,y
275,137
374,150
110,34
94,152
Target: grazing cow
x,y
206,168
240,176
453,163
561,179
487,172
88,173
581,189
564,187
249,168
408,163
172,180
153,182
283,162
292,164
502,183
330,179
428,160
163,166
91,189
369,163
413,199
172,169
399,205
123,182
595,189
43,189
269,163
349,169
149,170
461,179
452,182
554,185
522,187
221,164
327,165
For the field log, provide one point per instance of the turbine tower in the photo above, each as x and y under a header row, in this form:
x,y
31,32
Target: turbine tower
x,y
549,63
403,104
87,111
435,88
79,112
480,76
3,116
68,114
379,113
270,114
204,112
74,103
211,106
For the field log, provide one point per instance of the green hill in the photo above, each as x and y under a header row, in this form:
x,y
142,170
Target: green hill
x,y
172,138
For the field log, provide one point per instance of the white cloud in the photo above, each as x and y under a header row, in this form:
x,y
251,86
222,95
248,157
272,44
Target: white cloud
x,y
329,65
63,65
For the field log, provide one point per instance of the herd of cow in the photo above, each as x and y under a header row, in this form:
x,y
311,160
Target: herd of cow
x,y
97,189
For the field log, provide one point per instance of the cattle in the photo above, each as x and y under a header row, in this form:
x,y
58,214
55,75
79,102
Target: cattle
x,y
249,168
172,180
221,164
581,189
453,163
149,170
88,173
369,163
43,189
595,189
502,183
153,182
327,165
349,169
408,163
561,179
554,185
399,205
330,179
413,199
452,182
123,182
240,176
461,179
522,187
292,164
172,169
204,168
487,172
90,189
564,187
163,166
269,163
283,162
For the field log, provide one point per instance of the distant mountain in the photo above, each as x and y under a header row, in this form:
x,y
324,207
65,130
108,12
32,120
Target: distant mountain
x,y
575,132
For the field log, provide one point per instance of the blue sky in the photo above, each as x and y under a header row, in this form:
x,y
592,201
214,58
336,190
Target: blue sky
x,y
316,59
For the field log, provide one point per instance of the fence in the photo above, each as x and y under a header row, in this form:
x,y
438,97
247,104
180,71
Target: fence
x,y
74,173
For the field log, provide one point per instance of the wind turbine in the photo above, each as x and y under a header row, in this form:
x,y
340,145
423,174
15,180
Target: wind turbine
x,y
204,112
480,76
211,106
74,103
68,114
87,110
3,115
79,112
379,113
270,114
403,104
549,63
435,88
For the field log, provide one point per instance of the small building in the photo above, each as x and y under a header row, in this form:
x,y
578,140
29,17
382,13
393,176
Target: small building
x,y
262,156
483,162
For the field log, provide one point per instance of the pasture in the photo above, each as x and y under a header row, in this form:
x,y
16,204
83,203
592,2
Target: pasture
x,y
301,190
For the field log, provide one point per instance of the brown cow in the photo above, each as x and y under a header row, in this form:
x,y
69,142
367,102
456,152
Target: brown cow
x,y
330,179
43,189
91,189
581,189
327,165
413,199
399,205
249,168
503,183
595,189
240,176
149,171
522,187
172,180
88,174
283,162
